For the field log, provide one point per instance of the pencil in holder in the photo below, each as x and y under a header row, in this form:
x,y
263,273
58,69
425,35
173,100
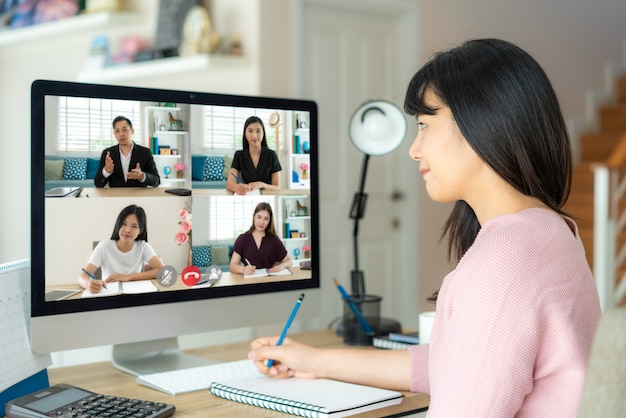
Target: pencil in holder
x,y
354,333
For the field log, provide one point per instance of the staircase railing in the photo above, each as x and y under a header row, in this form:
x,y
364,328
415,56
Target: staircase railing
x,y
609,252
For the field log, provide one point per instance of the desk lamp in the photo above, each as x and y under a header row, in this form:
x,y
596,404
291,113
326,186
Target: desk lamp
x,y
376,128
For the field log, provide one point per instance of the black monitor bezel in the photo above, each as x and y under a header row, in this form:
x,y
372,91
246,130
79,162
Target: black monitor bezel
x,y
42,88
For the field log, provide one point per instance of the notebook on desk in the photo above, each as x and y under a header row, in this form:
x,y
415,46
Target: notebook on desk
x,y
306,397
120,288
266,272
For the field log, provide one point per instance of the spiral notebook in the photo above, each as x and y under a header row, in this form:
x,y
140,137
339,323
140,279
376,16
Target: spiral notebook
x,y
307,397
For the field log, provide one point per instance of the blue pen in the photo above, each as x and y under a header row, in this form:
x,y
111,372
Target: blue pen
x,y
287,325
92,277
366,327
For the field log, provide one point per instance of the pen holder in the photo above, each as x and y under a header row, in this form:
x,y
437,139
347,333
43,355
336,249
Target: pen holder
x,y
369,307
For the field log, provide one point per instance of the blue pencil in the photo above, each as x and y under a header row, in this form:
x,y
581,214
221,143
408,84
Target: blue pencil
x,y
287,325
366,326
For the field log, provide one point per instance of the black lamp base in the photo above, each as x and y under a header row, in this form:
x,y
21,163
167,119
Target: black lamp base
x,y
381,327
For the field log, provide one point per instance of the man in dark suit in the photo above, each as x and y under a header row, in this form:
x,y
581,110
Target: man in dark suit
x,y
126,164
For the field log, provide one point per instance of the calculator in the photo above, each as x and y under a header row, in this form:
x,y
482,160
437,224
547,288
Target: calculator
x,y
64,401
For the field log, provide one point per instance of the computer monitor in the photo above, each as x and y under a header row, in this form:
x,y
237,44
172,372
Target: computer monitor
x,y
192,136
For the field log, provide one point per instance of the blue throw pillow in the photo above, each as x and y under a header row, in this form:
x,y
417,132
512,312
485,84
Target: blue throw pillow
x,y
201,255
92,167
213,168
197,167
75,169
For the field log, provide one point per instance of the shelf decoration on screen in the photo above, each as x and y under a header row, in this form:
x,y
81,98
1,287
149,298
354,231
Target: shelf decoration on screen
x,y
305,170
179,170
301,209
175,124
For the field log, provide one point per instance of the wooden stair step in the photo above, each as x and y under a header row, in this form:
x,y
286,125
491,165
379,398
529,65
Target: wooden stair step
x,y
612,117
598,146
621,90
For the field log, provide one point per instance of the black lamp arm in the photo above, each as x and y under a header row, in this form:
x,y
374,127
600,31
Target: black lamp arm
x,y
357,212
360,198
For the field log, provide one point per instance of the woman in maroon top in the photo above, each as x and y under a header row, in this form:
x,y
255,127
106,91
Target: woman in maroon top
x,y
259,247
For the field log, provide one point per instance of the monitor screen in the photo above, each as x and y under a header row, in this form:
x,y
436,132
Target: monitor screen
x,y
190,218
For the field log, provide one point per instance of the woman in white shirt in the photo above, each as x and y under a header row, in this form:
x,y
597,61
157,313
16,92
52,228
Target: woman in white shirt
x,y
122,258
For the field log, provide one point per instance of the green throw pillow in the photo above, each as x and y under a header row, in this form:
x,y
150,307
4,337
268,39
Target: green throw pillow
x,y
228,161
53,169
219,255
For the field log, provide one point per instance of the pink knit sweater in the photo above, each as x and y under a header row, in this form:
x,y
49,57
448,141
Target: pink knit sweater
x,y
514,325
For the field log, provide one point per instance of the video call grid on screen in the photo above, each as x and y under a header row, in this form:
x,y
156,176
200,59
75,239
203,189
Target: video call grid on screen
x,y
65,230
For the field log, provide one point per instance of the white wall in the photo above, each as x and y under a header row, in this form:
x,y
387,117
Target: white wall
x,y
571,39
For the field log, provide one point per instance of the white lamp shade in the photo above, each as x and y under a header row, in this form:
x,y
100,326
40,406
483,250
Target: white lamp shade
x,y
377,127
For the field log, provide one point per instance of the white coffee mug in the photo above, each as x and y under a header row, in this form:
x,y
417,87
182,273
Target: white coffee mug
x,y
425,326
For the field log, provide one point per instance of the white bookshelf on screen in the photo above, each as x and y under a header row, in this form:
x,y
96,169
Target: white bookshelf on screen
x,y
296,226
169,143
299,160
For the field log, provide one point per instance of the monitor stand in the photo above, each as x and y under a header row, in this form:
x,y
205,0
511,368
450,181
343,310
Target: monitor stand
x,y
154,356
